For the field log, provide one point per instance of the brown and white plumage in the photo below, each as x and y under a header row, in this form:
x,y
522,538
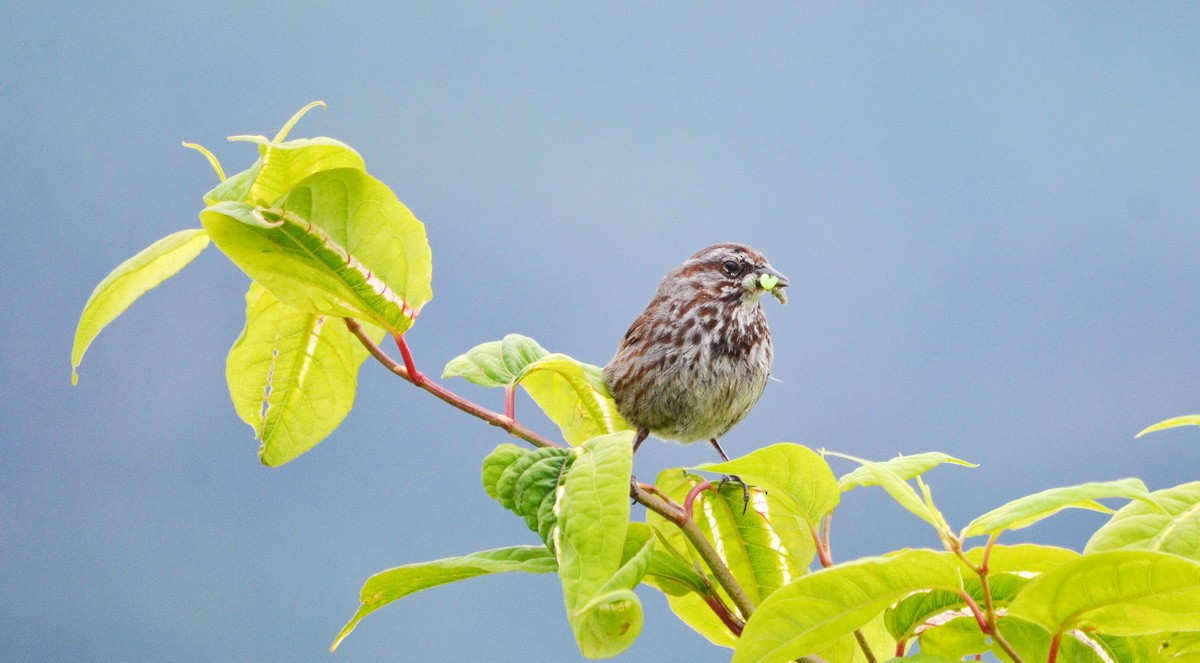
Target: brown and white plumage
x,y
697,359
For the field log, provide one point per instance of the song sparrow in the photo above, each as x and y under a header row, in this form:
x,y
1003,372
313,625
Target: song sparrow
x,y
697,359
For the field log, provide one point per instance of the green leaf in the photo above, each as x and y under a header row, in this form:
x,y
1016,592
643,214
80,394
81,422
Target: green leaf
x,y
526,483
957,637
1121,592
283,165
494,465
387,586
790,471
496,363
1032,642
848,650
130,280
885,475
573,395
593,519
1170,647
1025,511
1137,526
212,159
669,574
292,375
1175,422
234,189
916,613
692,608
905,467
824,606
341,245
611,621
1027,559
765,547
920,658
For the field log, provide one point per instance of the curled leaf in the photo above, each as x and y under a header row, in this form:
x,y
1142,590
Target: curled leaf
x,y
341,245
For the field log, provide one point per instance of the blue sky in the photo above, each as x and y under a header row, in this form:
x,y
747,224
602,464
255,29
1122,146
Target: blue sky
x,y
989,214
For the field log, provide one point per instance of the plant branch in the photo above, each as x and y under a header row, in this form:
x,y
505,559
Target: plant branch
x,y
866,648
987,615
645,496
681,518
409,373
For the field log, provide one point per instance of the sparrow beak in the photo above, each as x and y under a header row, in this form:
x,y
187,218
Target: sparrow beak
x,y
769,279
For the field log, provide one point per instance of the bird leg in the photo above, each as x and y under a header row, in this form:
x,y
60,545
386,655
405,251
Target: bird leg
x,y
642,434
732,477
716,446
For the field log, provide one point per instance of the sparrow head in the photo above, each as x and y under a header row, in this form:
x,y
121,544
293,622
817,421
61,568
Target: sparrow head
x,y
732,272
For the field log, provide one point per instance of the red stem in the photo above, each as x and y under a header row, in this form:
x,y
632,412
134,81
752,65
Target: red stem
x,y
732,623
822,550
1054,648
987,554
410,373
510,402
979,618
691,496
900,647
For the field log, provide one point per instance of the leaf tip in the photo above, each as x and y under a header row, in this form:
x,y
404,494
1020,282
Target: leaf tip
x,y
287,127
1174,422
212,159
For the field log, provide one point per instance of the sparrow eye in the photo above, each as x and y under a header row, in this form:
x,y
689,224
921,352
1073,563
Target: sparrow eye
x,y
731,268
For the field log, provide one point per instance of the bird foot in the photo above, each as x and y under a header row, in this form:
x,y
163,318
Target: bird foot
x,y
733,478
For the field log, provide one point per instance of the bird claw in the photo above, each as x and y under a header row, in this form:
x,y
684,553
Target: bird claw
x,y
733,478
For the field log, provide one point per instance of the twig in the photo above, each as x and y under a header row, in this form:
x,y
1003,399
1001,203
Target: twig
x,y
866,648
987,615
419,379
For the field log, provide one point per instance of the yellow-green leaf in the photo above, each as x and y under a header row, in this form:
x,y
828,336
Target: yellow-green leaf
x,y
292,375
573,395
130,280
1025,511
1138,526
387,586
593,521
496,363
340,244
905,467
824,606
1121,592
790,471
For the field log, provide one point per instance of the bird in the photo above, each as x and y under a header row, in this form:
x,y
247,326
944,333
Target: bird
x,y
698,358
